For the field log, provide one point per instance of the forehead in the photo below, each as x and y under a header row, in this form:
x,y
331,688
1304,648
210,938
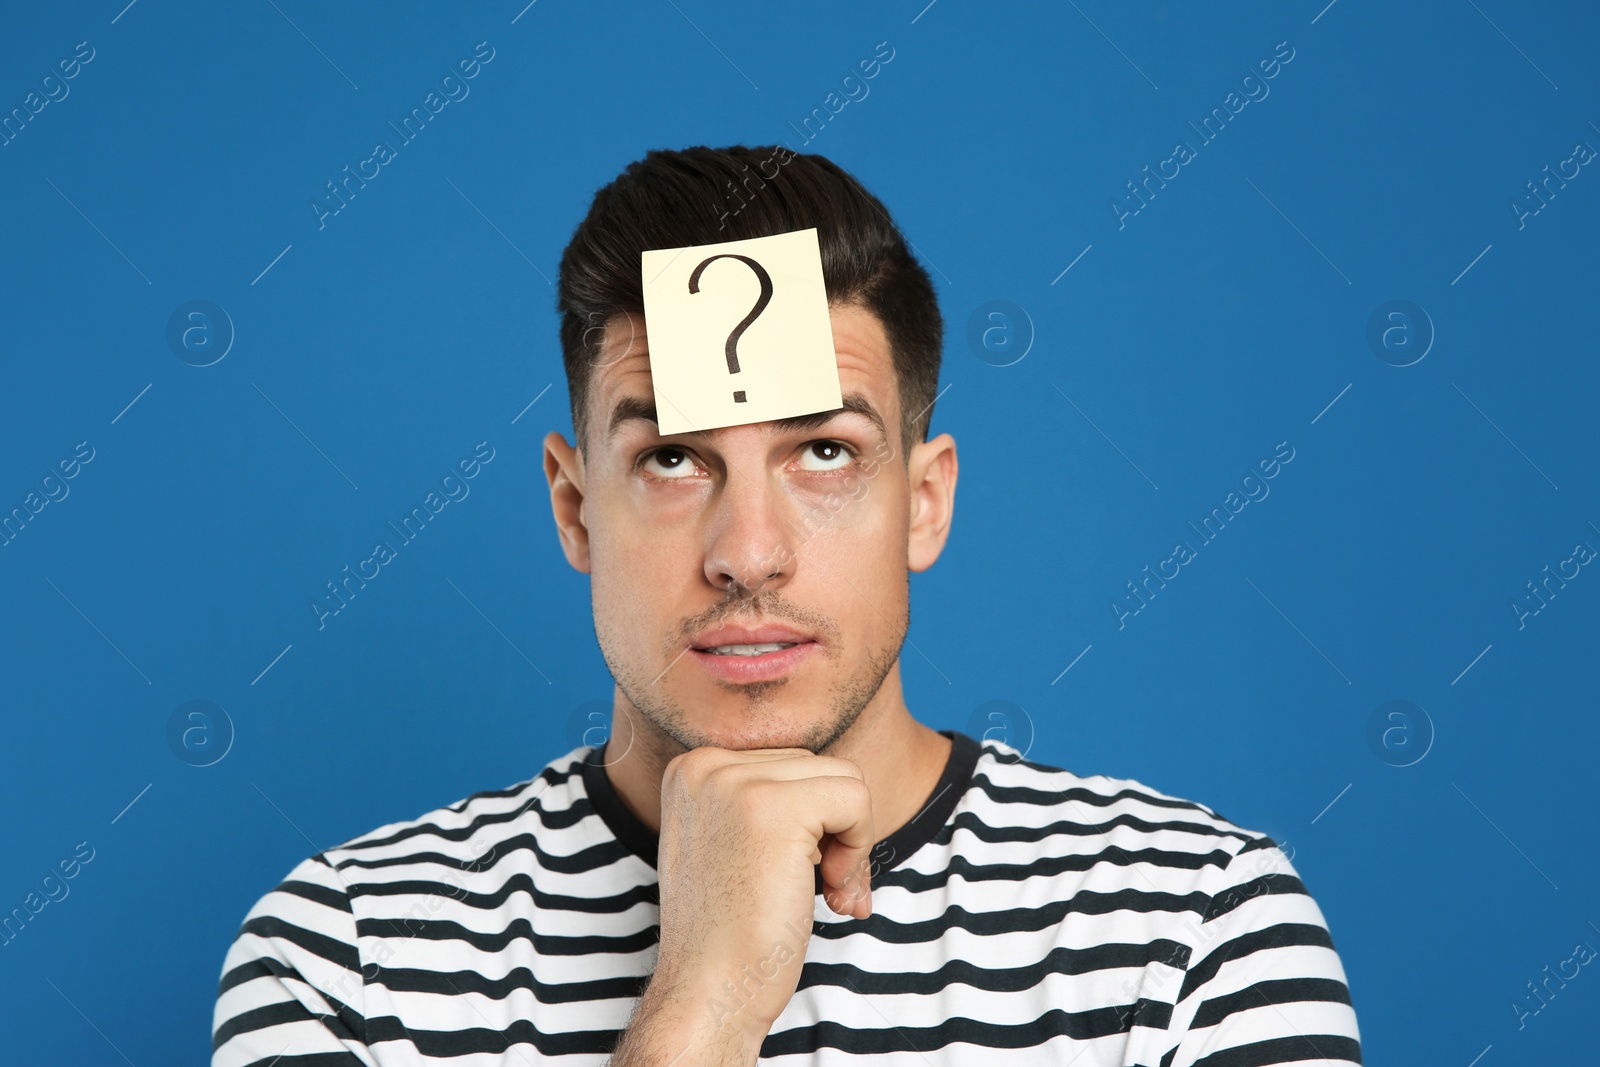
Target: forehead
x,y
866,364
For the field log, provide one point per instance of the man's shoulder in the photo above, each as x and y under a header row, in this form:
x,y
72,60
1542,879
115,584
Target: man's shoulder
x,y
312,914
1013,785
473,827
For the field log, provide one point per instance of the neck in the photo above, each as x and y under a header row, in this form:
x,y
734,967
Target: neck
x,y
900,758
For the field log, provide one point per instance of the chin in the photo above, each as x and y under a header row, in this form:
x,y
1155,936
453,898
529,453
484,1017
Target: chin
x,y
739,738
771,730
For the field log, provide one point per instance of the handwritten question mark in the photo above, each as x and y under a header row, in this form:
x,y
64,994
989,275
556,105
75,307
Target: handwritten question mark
x,y
732,347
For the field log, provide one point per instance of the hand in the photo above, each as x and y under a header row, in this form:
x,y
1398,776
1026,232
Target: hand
x,y
741,834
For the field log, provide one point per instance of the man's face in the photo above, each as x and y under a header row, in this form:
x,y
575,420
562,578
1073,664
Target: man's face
x,y
708,550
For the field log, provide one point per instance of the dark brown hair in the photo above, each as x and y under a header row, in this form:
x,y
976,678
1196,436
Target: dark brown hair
x,y
700,195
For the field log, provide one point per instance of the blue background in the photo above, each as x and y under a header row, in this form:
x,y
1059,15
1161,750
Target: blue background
x,y
1223,318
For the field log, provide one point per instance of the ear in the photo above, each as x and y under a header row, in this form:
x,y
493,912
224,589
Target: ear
x,y
932,472
563,469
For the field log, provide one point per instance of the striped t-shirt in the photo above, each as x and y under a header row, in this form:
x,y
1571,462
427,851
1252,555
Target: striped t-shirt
x,y
1026,915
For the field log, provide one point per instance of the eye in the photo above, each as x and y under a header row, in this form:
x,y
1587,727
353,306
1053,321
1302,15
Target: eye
x,y
826,456
670,464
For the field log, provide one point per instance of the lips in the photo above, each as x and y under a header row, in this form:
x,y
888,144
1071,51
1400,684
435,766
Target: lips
x,y
744,654
745,637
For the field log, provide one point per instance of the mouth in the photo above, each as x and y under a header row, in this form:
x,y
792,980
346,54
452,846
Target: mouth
x,y
739,654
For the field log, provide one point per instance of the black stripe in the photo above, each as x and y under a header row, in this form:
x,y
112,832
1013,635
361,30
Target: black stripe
x,y
1279,991
1269,884
581,862
260,967
1079,1026
446,983
344,1025
315,1059
1282,935
554,819
1258,844
955,972
319,894
1286,1050
442,1044
1046,867
1059,960
1074,828
545,944
248,971
609,904
983,923
334,951
1012,920
1045,798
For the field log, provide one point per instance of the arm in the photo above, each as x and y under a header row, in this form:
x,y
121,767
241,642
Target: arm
x,y
741,836
1264,984
292,983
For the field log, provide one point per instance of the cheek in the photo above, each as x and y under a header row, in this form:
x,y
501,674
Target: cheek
x,y
638,561
624,612
864,541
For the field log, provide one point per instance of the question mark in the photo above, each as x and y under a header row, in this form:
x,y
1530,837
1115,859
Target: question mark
x,y
732,347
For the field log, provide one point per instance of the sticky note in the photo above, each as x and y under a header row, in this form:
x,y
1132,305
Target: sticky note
x,y
738,332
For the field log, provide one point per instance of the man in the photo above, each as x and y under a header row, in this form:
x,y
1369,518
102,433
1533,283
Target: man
x,y
770,857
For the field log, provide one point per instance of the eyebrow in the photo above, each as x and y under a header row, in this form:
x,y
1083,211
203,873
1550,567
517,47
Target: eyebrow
x,y
642,408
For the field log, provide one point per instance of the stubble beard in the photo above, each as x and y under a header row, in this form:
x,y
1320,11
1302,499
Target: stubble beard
x,y
668,730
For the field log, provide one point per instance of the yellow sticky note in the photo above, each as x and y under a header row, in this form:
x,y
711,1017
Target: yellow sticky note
x,y
738,332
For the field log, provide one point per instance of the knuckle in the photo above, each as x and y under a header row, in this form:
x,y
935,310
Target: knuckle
x,y
856,792
756,797
851,768
694,765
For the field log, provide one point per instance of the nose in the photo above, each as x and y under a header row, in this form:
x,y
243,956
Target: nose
x,y
749,544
